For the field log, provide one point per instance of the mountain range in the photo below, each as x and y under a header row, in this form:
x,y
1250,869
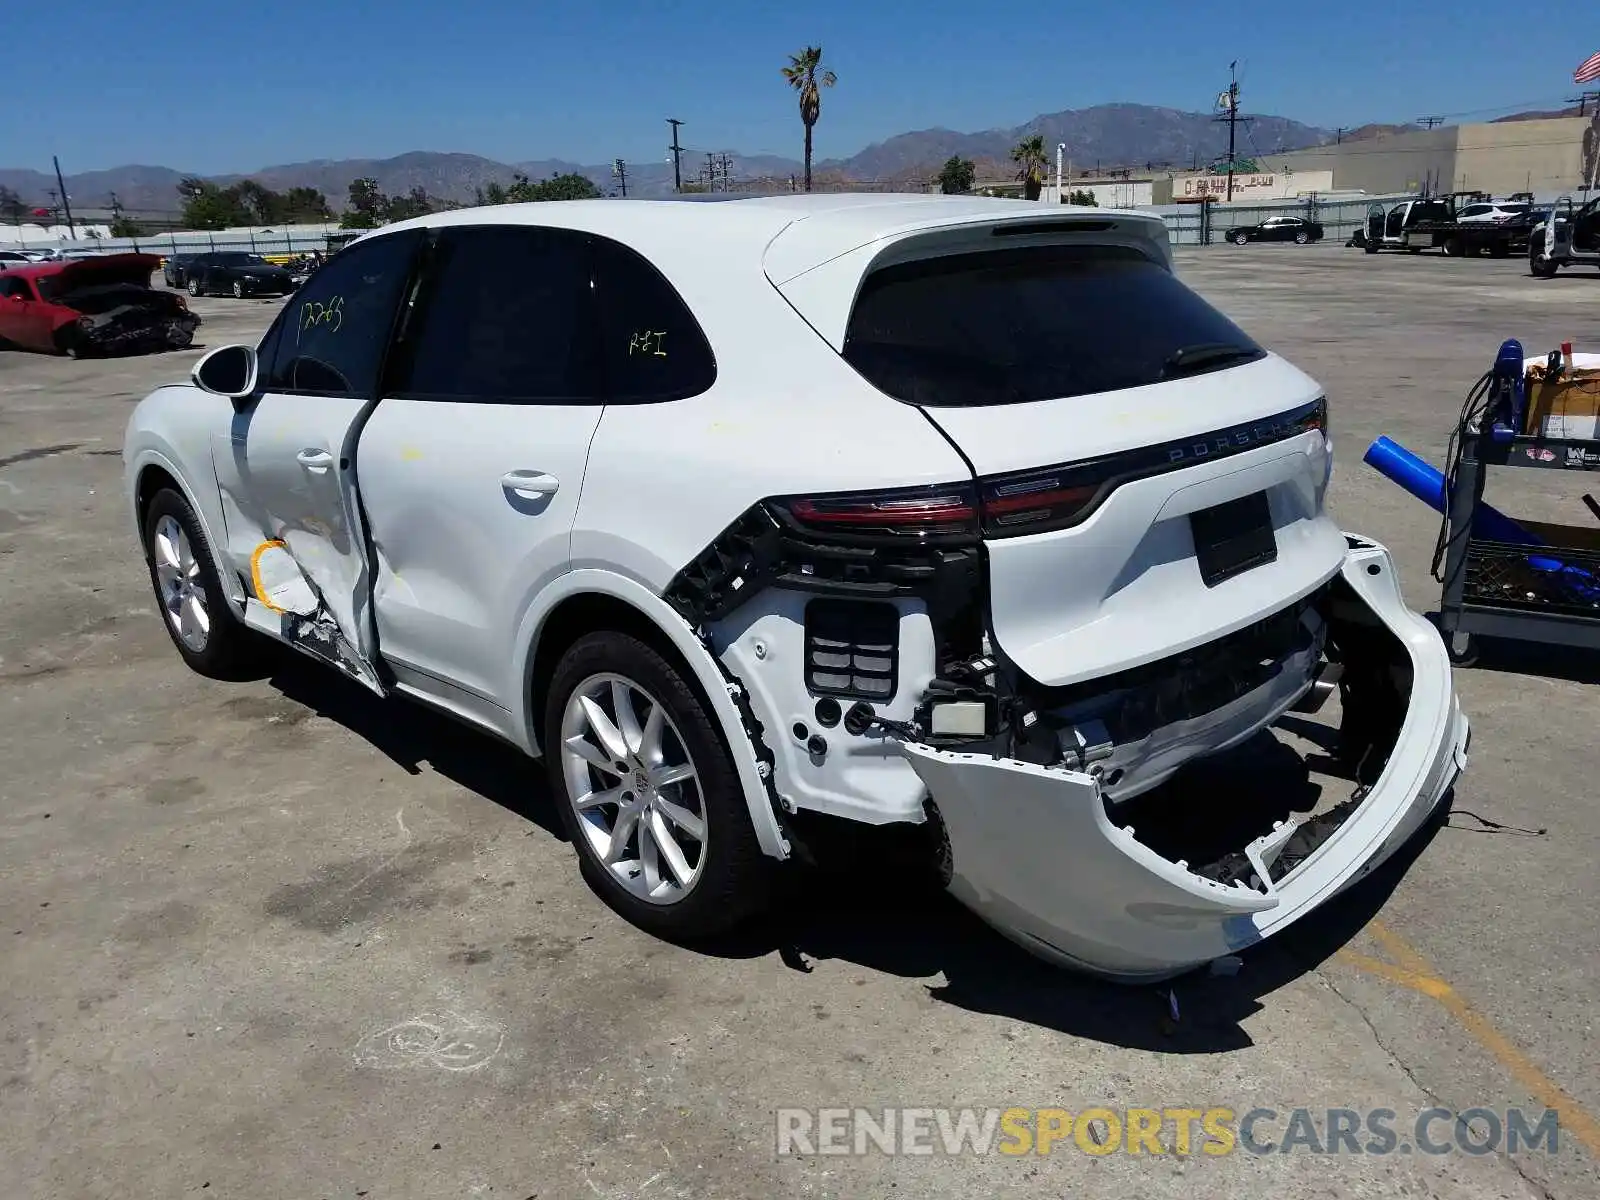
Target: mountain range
x,y
1105,136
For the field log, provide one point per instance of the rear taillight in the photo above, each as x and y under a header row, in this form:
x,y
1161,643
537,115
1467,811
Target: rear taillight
x,y
1035,502
946,510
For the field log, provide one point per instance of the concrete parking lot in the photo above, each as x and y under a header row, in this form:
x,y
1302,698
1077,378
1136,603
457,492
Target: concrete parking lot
x,y
280,939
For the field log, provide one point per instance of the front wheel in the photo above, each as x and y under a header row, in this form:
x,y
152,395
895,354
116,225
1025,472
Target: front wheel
x,y
1301,238
1539,266
1240,239
238,290
648,791
193,286
189,594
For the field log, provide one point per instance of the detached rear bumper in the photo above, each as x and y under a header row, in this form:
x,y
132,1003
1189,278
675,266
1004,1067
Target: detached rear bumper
x,y
1035,852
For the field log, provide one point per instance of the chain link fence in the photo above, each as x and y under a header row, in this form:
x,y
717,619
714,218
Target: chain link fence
x,y
1187,225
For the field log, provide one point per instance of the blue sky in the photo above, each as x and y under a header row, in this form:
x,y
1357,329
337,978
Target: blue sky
x,y
589,82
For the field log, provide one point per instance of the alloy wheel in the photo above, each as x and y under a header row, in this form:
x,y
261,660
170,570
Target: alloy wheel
x,y
183,594
634,788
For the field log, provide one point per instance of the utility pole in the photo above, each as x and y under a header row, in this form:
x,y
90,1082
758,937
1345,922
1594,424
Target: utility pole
x,y
620,170
710,174
1430,122
1338,135
66,200
677,155
725,170
1228,102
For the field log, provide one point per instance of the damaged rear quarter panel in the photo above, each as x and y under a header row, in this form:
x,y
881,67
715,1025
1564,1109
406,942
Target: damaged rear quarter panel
x,y
1035,852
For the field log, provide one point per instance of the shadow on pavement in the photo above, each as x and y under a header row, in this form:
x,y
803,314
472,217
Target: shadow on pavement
x,y
880,909
410,734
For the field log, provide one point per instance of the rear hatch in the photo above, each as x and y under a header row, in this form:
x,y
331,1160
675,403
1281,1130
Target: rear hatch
x,y
1150,478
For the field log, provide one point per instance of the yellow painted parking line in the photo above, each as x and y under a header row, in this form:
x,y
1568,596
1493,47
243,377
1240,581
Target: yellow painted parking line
x,y
1411,970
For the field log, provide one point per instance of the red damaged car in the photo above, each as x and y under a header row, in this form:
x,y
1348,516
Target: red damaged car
x,y
90,306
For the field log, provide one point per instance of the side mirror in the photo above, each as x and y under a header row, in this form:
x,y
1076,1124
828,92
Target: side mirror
x,y
228,371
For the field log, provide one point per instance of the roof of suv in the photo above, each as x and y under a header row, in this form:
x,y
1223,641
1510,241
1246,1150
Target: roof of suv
x,y
835,223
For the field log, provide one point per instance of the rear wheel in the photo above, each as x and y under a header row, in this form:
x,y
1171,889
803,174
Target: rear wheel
x,y
648,791
1240,238
196,611
1301,237
193,286
1452,247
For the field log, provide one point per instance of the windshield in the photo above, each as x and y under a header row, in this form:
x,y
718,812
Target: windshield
x,y
1042,323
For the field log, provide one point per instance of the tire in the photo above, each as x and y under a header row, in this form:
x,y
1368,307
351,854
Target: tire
x,y
1301,238
1452,247
1541,267
1500,250
229,650
1370,246
731,875
238,289
1240,239
193,286
1461,648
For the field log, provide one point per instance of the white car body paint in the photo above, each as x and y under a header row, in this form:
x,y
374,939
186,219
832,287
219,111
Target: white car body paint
x,y
480,519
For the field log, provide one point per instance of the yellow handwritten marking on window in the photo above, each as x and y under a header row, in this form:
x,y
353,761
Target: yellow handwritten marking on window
x,y
648,341
316,314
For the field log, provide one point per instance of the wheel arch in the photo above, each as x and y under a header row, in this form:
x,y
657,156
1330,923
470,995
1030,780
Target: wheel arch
x,y
584,601
150,472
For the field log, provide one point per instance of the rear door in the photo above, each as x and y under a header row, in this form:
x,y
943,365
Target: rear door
x,y
286,468
472,466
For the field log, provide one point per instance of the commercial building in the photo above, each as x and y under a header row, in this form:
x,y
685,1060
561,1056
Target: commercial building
x,y
1547,157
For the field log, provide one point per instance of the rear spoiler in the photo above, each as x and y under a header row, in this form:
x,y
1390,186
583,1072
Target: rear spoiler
x,y
822,281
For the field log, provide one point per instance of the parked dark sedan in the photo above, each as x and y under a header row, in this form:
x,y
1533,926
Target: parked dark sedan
x,y
235,273
1278,229
173,269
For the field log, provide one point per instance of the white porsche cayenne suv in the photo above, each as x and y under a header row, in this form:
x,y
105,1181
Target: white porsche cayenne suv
x,y
955,514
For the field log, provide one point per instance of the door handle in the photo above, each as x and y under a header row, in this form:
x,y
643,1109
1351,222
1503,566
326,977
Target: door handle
x,y
314,460
530,483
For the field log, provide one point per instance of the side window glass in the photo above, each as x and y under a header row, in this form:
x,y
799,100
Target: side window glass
x,y
508,316
654,349
334,330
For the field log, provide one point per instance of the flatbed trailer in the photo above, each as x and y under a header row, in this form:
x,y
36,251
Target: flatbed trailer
x,y
1498,239
1430,223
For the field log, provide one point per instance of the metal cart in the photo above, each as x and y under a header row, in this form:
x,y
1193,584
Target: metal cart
x,y
1548,593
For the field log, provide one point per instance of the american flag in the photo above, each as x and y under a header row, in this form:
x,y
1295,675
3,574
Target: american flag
x,y
1589,71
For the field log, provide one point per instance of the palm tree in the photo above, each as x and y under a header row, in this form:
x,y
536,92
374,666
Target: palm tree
x,y
804,78
1028,154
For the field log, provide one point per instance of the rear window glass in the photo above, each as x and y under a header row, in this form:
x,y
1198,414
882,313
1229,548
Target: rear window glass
x,y
1042,323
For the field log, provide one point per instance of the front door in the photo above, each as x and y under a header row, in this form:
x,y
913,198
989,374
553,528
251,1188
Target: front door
x,y
1586,229
287,467
23,319
1395,223
472,466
